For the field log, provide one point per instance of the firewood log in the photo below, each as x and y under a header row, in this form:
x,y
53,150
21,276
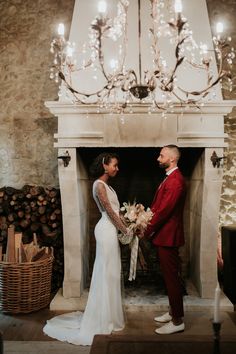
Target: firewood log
x,y
41,198
34,218
27,208
34,226
53,193
22,254
43,219
47,232
11,217
53,216
18,241
27,216
33,204
34,190
20,214
3,220
10,190
35,240
11,244
30,251
41,210
40,255
24,223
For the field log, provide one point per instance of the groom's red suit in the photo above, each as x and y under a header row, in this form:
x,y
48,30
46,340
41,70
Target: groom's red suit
x,y
166,232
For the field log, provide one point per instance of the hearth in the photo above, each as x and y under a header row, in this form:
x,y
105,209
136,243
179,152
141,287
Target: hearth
x,y
136,181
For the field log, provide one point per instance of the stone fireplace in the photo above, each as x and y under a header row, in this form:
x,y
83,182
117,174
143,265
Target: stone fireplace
x,y
84,131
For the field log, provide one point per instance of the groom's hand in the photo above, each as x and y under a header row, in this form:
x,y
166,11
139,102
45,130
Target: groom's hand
x,y
139,233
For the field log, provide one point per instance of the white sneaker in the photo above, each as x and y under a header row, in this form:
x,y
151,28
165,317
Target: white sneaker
x,y
170,328
164,318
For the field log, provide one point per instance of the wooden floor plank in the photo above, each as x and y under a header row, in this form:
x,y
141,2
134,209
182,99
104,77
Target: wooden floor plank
x,y
29,327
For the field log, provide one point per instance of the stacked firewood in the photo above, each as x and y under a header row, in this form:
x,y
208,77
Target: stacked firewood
x,y
33,209
17,252
30,209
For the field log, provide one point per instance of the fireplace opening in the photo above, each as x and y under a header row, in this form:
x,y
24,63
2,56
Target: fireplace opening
x,y
137,180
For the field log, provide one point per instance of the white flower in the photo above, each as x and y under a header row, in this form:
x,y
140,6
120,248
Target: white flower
x,y
135,215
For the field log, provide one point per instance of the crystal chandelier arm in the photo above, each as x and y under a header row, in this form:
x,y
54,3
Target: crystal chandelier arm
x,y
78,94
100,26
169,85
178,26
220,73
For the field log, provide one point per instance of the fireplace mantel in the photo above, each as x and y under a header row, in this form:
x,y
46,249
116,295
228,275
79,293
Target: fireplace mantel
x,y
87,125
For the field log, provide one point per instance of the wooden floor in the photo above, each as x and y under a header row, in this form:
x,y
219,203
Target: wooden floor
x,y
29,327
25,327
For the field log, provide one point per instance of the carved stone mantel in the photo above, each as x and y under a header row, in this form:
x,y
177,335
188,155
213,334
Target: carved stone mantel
x,y
88,126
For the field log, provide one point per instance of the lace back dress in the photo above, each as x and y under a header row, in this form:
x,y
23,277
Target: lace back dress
x,y
104,312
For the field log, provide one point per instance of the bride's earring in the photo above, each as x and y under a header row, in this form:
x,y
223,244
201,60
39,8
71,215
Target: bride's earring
x,y
105,171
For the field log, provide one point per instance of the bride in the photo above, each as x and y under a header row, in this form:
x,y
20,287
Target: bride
x,y
103,313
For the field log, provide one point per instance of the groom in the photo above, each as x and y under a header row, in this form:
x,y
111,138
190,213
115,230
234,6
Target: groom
x,y
166,232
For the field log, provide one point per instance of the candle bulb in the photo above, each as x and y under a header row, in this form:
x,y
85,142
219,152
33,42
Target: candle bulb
x,y
61,29
178,6
216,318
102,7
69,51
113,64
204,51
219,27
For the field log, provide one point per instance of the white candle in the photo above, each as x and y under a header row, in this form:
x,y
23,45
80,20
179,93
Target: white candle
x,y
61,29
216,318
204,51
102,7
113,63
178,6
219,27
69,51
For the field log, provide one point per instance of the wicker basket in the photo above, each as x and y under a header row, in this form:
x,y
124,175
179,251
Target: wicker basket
x,y
25,287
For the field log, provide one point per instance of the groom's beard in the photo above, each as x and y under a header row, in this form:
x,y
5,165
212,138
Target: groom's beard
x,y
164,165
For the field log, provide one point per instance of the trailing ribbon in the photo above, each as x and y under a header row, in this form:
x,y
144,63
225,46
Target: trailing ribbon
x,y
133,258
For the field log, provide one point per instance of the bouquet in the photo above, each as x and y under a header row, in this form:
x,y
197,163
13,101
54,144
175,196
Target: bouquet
x,y
137,219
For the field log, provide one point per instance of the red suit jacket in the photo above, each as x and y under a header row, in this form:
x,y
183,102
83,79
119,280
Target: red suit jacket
x,y
166,226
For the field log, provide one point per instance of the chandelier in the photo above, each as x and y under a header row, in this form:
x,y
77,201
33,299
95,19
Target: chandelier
x,y
121,87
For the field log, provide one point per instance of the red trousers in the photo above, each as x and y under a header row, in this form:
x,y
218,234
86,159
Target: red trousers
x,y
170,264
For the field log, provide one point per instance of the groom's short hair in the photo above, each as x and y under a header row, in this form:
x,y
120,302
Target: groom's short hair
x,y
174,150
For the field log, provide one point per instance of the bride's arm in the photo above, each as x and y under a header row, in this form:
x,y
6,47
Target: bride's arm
x,y
104,201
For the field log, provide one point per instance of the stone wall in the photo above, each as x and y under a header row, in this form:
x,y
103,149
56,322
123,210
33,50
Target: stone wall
x,y
27,155
225,11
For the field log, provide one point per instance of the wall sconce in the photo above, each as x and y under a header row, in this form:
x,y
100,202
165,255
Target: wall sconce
x,y
216,159
65,158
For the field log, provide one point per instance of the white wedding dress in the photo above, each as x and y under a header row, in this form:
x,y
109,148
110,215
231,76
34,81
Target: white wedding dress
x,y
104,312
